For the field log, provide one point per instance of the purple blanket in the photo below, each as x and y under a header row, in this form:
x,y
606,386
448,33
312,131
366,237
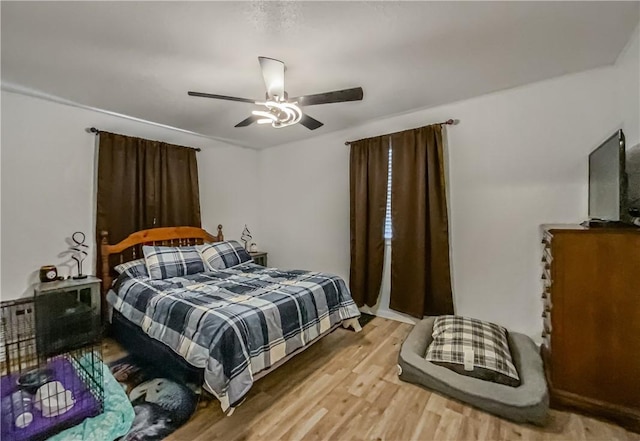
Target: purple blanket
x,y
41,427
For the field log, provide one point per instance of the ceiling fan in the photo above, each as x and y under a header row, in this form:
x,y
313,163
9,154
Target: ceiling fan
x,y
279,110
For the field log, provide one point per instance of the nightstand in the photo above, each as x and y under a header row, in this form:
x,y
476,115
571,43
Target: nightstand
x,y
259,258
67,314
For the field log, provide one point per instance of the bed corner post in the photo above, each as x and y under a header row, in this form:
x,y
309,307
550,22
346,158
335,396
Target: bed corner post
x,y
220,235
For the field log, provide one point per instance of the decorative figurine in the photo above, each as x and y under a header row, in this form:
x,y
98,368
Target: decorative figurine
x,y
79,252
246,237
253,248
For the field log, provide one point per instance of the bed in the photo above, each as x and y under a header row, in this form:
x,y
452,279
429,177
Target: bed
x,y
225,328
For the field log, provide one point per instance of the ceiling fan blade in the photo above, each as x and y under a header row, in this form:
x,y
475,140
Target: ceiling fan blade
x,y
310,123
221,97
248,121
273,74
337,96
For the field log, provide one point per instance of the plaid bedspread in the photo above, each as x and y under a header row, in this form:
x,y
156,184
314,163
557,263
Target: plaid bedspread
x,y
235,322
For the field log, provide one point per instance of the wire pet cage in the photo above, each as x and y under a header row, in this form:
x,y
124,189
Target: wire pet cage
x,y
43,393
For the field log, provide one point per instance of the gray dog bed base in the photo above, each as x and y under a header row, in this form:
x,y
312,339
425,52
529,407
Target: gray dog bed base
x,y
527,403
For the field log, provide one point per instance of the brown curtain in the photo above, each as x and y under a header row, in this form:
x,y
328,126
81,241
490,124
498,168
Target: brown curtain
x,y
144,184
368,191
420,271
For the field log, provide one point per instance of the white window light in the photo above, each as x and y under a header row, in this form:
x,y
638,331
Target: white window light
x,y
388,230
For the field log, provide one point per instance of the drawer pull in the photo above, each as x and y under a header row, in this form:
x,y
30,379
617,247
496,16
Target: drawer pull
x,y
546,324
546,278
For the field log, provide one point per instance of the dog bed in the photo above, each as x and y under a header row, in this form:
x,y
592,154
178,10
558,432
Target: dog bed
x,y
527,403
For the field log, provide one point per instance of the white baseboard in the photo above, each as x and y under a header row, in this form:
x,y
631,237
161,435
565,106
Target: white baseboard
x,y
389,314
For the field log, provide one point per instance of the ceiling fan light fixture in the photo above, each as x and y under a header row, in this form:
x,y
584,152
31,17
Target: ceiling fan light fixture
x,y
264,114
282,114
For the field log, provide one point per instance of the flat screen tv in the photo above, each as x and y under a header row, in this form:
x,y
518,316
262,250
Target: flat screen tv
x,y
607,180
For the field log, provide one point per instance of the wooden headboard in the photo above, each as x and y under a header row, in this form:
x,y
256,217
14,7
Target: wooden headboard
x,y
131,247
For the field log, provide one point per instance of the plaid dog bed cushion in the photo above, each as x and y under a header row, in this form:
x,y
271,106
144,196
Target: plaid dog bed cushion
x,y
486,343
165,262
221,255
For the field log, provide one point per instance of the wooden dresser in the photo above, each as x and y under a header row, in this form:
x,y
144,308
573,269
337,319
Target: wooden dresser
x,y
591,319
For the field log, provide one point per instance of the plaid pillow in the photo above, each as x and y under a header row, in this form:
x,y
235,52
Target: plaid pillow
x,y
166,262
455,335
221,255
135,268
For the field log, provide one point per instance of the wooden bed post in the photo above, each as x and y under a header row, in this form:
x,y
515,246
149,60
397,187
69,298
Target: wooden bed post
x,y
105,273
104,260
220,236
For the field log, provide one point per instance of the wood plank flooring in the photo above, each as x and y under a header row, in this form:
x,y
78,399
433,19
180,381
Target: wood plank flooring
x,y
345,387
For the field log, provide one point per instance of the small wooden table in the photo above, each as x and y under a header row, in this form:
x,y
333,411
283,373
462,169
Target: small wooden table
x,y
68,314
259,257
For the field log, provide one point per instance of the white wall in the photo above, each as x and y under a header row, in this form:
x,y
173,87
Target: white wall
x,y
628,88
48,182
517,159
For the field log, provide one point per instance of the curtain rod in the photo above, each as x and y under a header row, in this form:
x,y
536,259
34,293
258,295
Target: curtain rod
x,y
449,122
97,132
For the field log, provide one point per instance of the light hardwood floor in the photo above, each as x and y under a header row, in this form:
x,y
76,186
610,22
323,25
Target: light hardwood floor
x,y
345,387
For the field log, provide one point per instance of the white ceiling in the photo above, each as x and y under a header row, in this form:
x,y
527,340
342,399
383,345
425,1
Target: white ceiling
x,y
141,58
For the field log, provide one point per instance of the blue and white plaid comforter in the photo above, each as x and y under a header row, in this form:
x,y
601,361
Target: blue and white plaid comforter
x,y
235,322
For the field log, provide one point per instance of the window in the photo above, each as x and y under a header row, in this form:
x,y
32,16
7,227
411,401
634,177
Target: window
x,y
388,232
